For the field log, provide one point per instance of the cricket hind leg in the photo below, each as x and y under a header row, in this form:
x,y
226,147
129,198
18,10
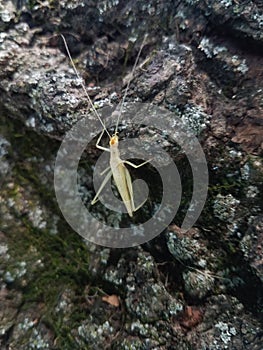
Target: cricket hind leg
x,y
140,205
130,188
105,170
106,179
135,165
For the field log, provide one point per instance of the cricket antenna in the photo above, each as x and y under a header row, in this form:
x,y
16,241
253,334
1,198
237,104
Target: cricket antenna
x,y
83,86
128,84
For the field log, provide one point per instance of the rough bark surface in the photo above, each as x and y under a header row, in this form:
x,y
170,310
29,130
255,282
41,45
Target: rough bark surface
x,y
202,289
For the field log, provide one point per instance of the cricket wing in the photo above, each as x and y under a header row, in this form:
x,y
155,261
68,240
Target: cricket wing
x,y
123,182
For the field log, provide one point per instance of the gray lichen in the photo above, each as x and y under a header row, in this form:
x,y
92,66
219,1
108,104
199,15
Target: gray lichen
x,y
225,207
198,284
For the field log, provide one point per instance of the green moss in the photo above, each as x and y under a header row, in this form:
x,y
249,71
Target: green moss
x,y
52,263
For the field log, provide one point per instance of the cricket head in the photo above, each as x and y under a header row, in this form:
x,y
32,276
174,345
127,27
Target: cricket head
x,y
114,140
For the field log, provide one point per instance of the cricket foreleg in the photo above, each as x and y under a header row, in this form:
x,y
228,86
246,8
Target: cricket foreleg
x,y
106,179
98,141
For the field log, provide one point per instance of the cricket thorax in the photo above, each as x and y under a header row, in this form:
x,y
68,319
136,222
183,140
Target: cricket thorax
x,y
114,150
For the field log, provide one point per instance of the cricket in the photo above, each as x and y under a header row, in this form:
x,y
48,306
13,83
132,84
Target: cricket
x,y
117,168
